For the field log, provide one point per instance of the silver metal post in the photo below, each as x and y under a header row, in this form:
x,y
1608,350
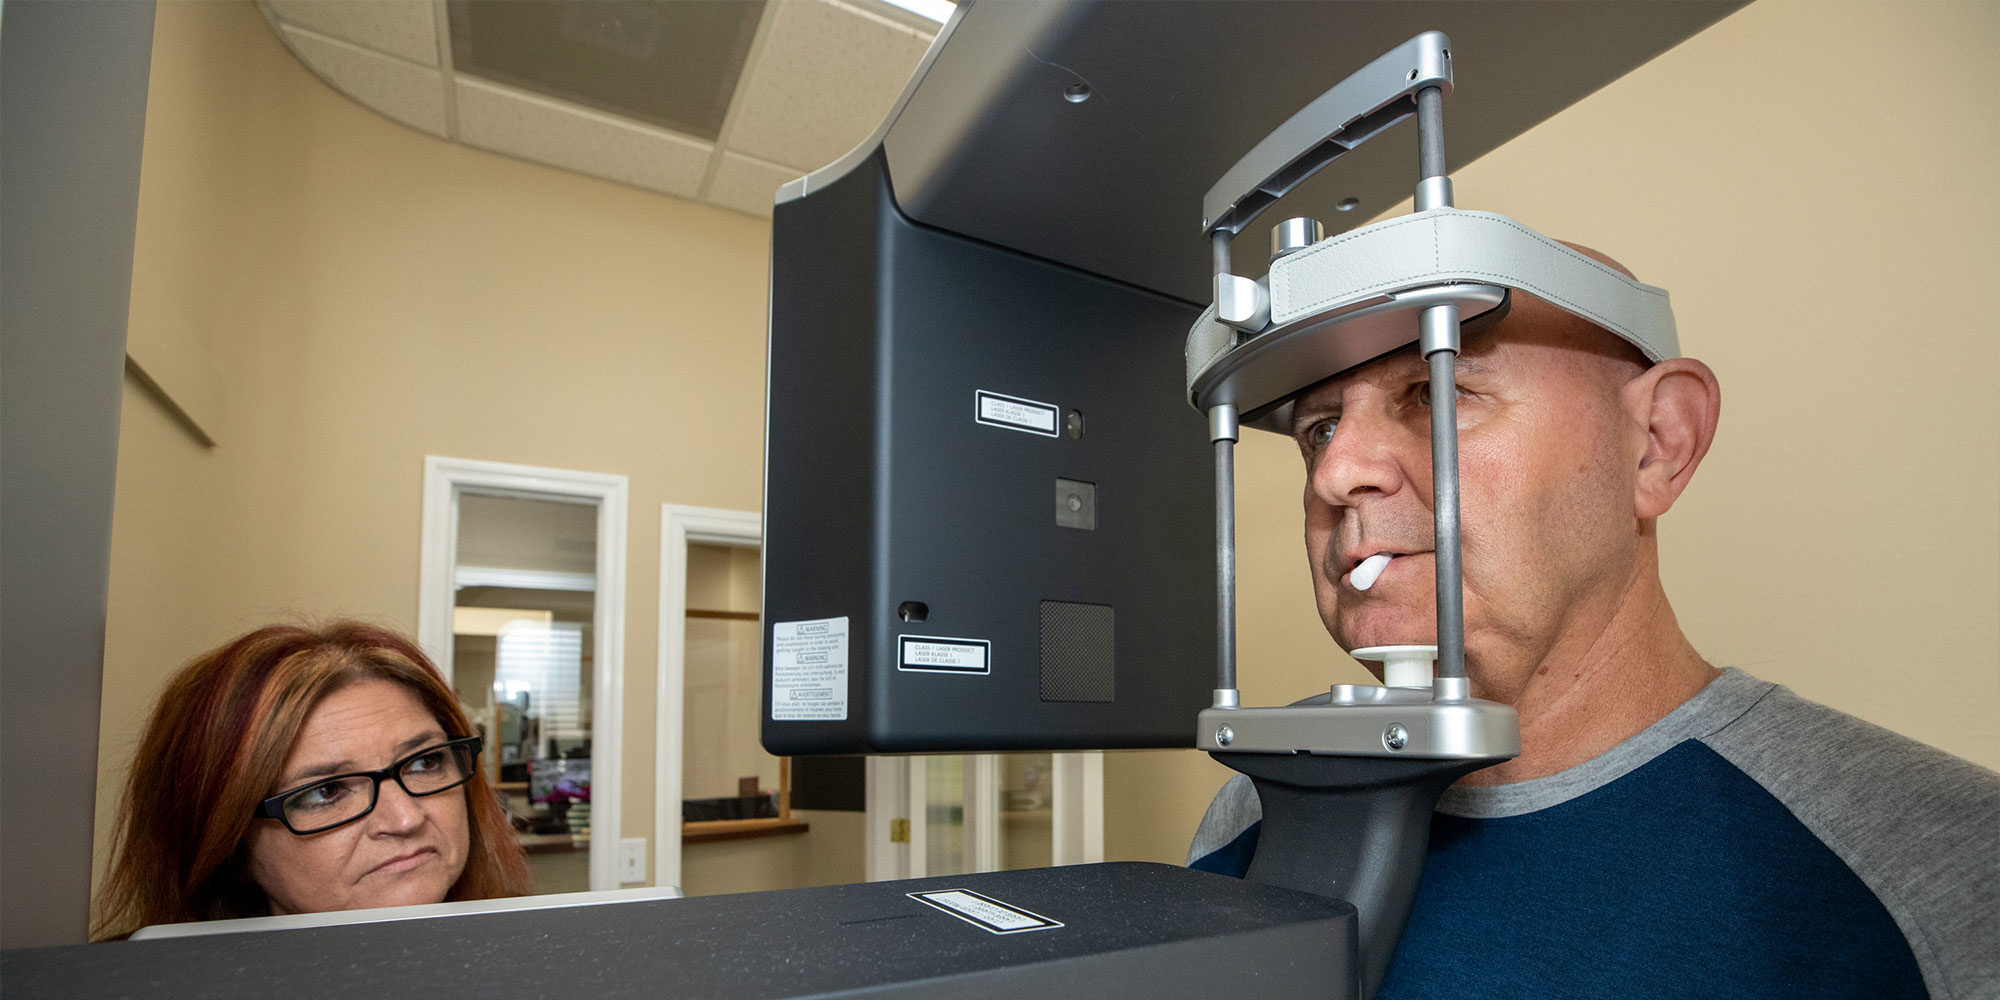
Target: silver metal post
x,y
1219,244
1444,491
1434,188
1439,342
1223,430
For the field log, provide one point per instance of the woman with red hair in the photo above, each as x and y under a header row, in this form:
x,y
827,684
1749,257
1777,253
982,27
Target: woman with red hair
x,y
299,770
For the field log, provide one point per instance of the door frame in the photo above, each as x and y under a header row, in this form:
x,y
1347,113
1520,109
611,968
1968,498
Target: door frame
x,y
681,526
898,789
445,480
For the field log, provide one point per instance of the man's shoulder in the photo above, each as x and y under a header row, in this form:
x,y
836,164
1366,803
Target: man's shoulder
x,y
1819,757
1234,809
1920,827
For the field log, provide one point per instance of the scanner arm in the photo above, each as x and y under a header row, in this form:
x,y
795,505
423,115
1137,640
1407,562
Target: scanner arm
x,y
1375,97
1357,109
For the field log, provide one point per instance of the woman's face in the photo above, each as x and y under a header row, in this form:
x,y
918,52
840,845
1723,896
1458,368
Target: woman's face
x,y
408,850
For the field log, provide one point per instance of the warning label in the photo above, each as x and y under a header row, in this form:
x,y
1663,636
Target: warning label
x,y
809,670
985,912
944,655
1014,413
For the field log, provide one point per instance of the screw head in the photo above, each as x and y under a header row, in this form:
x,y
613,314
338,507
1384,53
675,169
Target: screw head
x,y
1395,737
1224,736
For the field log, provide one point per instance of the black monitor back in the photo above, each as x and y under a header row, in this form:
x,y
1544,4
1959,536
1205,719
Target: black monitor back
x,y
989,510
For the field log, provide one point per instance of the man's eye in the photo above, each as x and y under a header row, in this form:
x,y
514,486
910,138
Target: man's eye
x,y
1422,391
1319,435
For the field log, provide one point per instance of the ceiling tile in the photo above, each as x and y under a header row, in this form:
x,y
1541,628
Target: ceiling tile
x,y
406,28
747,185
409,93
561,134
827,75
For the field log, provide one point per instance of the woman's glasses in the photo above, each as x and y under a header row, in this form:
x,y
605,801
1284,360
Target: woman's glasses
x,y
344,798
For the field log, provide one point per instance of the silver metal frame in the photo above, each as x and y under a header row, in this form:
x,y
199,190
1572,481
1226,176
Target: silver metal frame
x,y
1258,375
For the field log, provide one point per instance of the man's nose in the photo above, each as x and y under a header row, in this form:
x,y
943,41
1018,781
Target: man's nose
x,y
1364,457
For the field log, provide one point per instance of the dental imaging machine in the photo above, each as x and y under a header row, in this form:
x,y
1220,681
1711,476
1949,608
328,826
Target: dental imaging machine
x,y
1014,338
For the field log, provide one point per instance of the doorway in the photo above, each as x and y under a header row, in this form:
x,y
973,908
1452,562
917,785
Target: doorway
x,y
523,610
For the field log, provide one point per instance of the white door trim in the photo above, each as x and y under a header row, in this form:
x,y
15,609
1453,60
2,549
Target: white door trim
x,y
447,479
982,812
1078,791
888,792
679,526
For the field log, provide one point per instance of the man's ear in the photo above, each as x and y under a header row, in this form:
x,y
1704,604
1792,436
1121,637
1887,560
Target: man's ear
x,y
1678,402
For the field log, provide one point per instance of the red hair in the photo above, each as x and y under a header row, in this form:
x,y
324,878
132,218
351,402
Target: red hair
x,y
216,745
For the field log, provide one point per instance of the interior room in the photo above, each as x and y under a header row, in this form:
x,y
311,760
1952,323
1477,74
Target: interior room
x,y
418,337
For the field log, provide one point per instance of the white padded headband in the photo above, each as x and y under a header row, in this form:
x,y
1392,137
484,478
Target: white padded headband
x,y
1439,247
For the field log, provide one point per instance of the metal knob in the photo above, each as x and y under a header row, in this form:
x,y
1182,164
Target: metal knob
x,y
1295,234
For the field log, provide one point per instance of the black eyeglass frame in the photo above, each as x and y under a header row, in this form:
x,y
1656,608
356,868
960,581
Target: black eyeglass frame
x,y
274,807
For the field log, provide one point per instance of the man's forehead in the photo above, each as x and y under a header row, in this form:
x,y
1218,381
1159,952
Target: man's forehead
x,y
1476,359
1535,340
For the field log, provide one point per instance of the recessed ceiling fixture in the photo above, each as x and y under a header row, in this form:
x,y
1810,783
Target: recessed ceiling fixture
x,y
673,63
936,10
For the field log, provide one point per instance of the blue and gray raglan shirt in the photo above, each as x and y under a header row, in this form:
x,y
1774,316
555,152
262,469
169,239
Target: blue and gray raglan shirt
x,y
1749,844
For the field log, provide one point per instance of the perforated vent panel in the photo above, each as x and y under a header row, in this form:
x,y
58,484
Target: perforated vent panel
x,y
1076,652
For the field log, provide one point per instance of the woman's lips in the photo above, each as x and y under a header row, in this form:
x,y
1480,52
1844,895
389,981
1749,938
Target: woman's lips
x,y
404,862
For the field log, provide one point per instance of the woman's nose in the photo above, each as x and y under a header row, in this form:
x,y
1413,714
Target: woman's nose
x,y
395,810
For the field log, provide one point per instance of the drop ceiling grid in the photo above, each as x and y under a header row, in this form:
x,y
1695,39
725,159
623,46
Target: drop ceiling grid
x,y
405,28
735,109
827,75
519,123
819,77
398,88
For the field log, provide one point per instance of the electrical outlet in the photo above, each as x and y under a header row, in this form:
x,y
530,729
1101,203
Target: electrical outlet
x,y
632,860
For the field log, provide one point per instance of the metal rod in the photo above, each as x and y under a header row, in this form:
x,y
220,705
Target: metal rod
x,y
1220,245
1222,428
1430,132
1444,500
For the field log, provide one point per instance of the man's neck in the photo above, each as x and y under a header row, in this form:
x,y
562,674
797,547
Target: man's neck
x,y
1602,683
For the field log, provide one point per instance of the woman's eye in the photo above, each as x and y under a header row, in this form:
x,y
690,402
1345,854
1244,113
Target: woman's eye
x,y
428,762
319,796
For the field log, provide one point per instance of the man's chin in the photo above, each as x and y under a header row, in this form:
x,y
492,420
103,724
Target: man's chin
x,y
1385,626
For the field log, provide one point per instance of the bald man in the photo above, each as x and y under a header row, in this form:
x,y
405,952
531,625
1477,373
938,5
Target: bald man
x,y
1669,829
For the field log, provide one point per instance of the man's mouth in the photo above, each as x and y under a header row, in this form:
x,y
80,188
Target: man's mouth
x,y
1369,570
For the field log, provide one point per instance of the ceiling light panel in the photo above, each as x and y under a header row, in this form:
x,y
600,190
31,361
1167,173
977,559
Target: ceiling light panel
x,y
671,63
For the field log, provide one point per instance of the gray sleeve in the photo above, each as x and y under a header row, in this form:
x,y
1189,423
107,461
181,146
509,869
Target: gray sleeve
x,y
1230,813
1920,827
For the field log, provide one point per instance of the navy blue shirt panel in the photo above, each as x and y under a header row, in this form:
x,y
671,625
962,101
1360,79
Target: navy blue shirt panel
x,y
1684,878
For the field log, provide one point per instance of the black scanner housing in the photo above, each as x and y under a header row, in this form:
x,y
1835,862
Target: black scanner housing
x,y
882,492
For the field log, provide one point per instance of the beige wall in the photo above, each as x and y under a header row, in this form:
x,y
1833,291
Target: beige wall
x,y
1814,184
830,853
333,296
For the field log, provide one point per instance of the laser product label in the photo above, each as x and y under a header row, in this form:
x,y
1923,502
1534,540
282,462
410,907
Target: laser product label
x,y
940,654
1015,413
985,912
809,670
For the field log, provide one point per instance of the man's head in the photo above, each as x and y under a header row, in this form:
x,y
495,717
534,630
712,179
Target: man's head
x,y
1570,445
